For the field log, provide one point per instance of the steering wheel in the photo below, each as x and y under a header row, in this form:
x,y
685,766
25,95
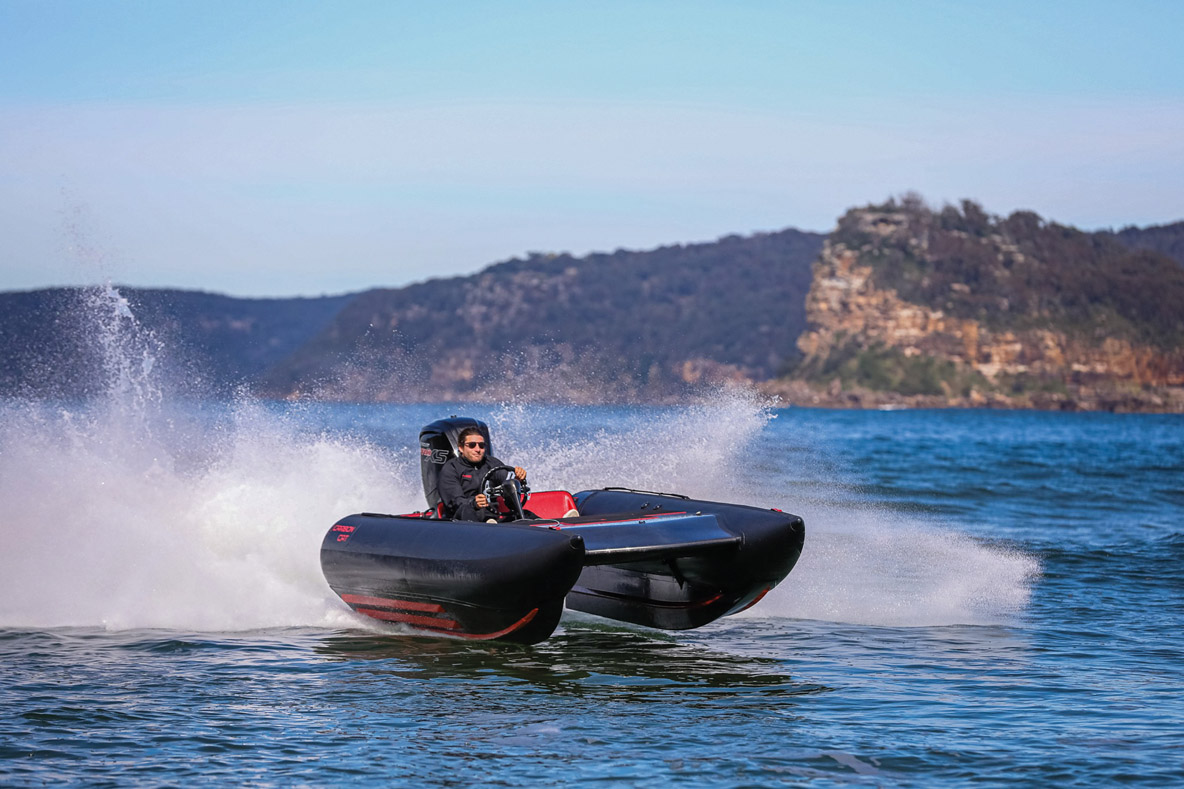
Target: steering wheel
x,y
511,491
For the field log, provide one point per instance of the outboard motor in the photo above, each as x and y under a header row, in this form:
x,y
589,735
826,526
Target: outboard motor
x,y
438,443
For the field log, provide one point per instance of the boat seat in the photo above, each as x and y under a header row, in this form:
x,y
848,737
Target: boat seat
x,y
552,504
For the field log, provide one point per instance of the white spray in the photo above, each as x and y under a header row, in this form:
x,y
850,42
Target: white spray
x,y
117,513
860,565
131,512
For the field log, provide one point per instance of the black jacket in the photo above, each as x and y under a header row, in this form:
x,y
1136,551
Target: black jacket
x,y
460,482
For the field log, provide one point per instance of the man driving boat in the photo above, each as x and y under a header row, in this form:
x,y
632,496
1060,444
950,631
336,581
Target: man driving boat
x,y
460,478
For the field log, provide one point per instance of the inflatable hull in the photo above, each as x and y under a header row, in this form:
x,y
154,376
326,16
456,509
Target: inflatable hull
x,y
686,590
650,559
469,580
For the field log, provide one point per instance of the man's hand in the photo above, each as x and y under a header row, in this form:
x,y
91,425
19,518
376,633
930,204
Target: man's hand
x,y
481,501
520,473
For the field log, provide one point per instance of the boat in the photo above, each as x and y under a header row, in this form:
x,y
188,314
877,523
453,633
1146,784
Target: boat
x,y
660,560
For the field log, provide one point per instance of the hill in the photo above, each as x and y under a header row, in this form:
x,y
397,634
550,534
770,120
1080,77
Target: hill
x,y
959,307
619,326
901,304
1167,240
56,340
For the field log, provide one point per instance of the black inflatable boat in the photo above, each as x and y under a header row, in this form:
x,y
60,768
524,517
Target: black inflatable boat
x,y
654,559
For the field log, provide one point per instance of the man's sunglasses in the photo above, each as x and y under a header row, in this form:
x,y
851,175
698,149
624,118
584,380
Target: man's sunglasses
x,y
471,444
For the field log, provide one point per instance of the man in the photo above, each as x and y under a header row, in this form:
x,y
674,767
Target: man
x,y
460,478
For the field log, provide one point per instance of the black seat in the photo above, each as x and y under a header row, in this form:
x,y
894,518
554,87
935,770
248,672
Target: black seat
x,y
437,443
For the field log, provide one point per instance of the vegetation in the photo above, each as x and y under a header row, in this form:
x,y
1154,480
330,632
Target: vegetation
x,y
884,369
1020,271
641,325
624,324
1167,240
52,348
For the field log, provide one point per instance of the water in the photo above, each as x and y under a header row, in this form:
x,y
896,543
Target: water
x,y
984,597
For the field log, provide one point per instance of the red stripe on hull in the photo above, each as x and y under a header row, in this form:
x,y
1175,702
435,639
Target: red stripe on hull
x,y
756,599
410,619
385,602
446,626
708,602
486,636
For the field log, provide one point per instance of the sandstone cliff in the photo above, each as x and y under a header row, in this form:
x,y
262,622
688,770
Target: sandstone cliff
x,y
910,306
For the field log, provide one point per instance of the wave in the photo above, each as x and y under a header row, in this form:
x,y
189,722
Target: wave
x,y
134,511
878,568
142,510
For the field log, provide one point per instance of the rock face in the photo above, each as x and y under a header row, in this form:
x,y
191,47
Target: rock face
x,y
998,312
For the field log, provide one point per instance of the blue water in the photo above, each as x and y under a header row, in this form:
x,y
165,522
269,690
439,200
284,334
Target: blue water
x,y
984,597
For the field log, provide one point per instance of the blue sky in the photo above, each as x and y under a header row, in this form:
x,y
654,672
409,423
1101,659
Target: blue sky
x,y
296,148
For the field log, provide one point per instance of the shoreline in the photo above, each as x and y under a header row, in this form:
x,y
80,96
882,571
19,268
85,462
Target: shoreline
x,y
1154,401
802,395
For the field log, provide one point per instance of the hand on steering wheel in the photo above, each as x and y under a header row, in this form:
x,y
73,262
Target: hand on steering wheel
x,y
513,498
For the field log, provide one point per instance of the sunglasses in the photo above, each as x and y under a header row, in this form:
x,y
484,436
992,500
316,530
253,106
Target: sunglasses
x,y
471,444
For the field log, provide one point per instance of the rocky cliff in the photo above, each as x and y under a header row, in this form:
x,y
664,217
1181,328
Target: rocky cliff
x,y
916,307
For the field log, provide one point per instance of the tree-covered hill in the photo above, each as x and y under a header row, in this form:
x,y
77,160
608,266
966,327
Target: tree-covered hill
x,y
969,308
60,341
625,324
1167,240
901,300
1020,271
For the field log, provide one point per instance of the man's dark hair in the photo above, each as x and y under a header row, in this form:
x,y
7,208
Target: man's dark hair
x,y
469,431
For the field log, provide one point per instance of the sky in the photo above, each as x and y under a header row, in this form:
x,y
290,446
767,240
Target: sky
x,y
285,148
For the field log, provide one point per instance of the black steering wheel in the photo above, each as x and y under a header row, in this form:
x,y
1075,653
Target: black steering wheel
x,y
511,491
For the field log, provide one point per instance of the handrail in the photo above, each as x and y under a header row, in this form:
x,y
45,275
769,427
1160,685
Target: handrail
x,y
648,492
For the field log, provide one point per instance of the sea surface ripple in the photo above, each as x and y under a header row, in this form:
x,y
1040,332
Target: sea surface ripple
x,y
985,597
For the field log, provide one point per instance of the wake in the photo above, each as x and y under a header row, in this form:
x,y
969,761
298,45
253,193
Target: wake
x,y
144,509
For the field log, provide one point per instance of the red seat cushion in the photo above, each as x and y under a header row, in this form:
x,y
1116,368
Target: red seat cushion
x,y
551,503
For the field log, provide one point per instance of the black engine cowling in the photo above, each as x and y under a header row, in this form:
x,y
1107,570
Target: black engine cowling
x,y
437,443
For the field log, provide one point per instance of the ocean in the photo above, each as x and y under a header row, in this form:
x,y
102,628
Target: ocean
x,y
988,598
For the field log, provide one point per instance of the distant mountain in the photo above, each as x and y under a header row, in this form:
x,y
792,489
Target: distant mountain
x,y
626,325
1167,240
965,308
235,339
902,304
54,341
